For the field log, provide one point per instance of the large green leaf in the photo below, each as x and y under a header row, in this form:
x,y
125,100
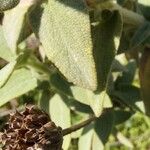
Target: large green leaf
x,y
64,31
60,114
5,72
20,82
13,24
5,52
106,38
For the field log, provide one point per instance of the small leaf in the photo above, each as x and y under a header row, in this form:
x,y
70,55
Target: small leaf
x,y
129,95
85,141
127,75
5,72
60,114
16,17
121,116
122,139
97,144
20,82
100,101
64,31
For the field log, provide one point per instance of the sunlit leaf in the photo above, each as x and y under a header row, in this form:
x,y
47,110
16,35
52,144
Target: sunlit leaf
x,y
5,52
20,82
64,31
5,72
14,22
61,116
85,141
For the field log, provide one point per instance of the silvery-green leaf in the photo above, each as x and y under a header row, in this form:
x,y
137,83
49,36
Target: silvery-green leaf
x,y
14,22
20,82
64,31
5,72
60,114
5,51
85,141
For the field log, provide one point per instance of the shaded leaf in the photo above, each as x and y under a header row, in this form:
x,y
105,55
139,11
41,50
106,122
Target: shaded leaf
x,y
144,6
121,116
106,37
142,35
104,125
129,95
127,75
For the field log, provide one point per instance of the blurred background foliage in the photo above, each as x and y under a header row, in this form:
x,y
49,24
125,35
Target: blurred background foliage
x,y
31,73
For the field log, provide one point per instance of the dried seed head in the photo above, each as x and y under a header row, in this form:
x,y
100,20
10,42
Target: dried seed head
x,y
31,130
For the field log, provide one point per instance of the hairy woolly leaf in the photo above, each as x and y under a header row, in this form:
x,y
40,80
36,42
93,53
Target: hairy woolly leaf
x,y
63,27
17,18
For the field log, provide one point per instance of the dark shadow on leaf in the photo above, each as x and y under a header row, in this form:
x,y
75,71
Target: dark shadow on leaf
x,y
145,10
104,47
87,128
74,4
35,18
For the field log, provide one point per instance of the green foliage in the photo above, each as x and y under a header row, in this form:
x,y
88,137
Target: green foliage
x,y
77,59
8,4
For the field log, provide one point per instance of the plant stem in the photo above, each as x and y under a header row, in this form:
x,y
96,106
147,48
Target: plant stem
x,y
129,17
78,126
